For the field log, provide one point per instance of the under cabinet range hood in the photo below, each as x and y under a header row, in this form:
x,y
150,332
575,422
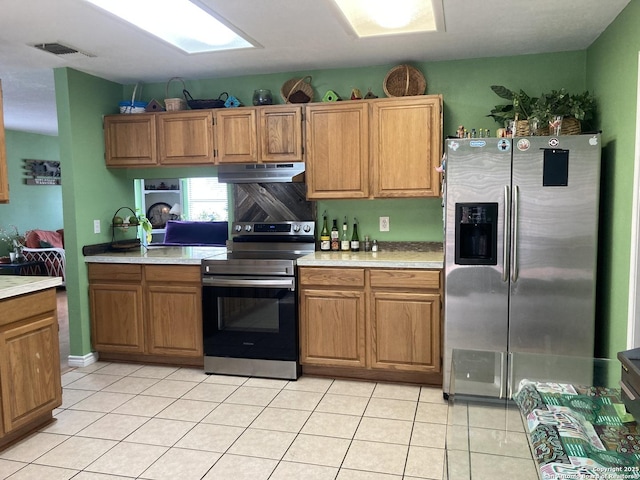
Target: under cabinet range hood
x,y
261,172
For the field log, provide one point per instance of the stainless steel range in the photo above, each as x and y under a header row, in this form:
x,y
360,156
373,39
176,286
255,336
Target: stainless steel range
x,y
250,308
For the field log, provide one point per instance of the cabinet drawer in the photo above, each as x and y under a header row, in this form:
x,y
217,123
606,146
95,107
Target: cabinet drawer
x,y
172,273
26,306
331,277
115,272
407,278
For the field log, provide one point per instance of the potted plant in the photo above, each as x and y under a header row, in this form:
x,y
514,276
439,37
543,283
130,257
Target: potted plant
x,y
519,108
146,227
13,241
558,104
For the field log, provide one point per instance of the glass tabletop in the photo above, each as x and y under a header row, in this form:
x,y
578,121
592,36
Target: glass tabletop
x,y
486,432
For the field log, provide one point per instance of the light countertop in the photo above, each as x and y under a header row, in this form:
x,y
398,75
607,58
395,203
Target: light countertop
x,y
193,256
159,255
14,285
382,259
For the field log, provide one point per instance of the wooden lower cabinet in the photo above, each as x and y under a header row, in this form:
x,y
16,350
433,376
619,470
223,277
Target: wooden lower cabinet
x,y
332,326
30,385
146,312
405,331
174,311
371,323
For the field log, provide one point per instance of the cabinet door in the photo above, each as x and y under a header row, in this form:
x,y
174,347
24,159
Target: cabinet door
x,y
130,140
30,370
332,328
116,317
337,150
174,320
185,138
236,136
407,146
405,331
4,175
280,134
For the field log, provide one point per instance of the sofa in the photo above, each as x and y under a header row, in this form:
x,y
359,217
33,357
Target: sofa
x,y
193,233
47,246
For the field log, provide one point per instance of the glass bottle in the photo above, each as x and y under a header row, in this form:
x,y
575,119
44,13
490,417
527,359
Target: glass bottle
x,y
325,238
335,236
344,240
355,241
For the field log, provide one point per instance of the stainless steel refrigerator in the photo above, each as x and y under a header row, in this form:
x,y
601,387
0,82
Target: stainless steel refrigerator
x,y
521,232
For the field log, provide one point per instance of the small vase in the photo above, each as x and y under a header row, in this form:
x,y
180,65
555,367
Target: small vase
x,y
555,126
534,126
262,96
13,256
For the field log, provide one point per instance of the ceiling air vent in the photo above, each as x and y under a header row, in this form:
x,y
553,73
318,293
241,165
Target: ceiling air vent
x,y
60,49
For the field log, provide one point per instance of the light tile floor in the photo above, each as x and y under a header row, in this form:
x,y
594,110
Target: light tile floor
x,y
163,423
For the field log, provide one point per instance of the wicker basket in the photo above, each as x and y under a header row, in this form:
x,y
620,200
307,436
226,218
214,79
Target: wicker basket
x,y
522,128
404,80
174,103
210,103
570,126
297,90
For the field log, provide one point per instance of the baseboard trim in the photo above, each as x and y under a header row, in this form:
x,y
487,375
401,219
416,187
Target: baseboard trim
x,y
83,360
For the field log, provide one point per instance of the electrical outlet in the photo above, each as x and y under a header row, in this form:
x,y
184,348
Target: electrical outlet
x,y
96,226
384,224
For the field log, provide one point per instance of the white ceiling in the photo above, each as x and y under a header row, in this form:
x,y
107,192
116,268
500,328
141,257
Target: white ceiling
x,y
293,35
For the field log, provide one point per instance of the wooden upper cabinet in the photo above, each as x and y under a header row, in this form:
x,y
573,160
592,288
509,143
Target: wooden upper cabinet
x,y
337,139
185,138
236,135
280,133
130,140
4,175
406,143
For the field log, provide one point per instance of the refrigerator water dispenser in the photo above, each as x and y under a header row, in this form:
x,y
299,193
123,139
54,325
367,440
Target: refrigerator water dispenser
x,y
476,233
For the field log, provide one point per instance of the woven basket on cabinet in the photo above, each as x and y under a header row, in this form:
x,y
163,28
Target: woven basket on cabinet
x,y
174,103
297,90
404,80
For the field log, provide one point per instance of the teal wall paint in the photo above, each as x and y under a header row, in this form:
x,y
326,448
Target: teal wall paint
x,y
89,190
31,206
612,73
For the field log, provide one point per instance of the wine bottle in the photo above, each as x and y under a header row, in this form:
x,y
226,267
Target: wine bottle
x,y
355,241
325,238
335,236
344,241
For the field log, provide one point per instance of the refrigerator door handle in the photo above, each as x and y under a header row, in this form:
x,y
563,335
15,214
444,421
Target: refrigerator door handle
x,y
514,238
505,248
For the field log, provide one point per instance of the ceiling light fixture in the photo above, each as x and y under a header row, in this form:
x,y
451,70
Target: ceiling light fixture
x,y
179,22
370,18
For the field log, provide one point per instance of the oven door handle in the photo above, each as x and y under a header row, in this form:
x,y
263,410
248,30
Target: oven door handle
x,y
249,282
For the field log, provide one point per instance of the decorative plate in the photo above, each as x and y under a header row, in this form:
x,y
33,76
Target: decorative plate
x,y
158,214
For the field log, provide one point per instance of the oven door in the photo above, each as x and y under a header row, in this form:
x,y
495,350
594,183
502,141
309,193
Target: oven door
x,y
250,317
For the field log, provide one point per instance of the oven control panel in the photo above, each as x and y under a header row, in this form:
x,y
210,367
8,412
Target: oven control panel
x,y
297,227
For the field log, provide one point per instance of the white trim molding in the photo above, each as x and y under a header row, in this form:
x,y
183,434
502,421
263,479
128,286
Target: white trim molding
x,y
633,309
83,360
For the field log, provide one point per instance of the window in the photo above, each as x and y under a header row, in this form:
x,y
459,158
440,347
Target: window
x,y
206,200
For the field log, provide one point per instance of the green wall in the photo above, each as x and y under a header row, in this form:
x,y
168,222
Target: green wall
x,y
464,85
612,74
31,206
90,191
